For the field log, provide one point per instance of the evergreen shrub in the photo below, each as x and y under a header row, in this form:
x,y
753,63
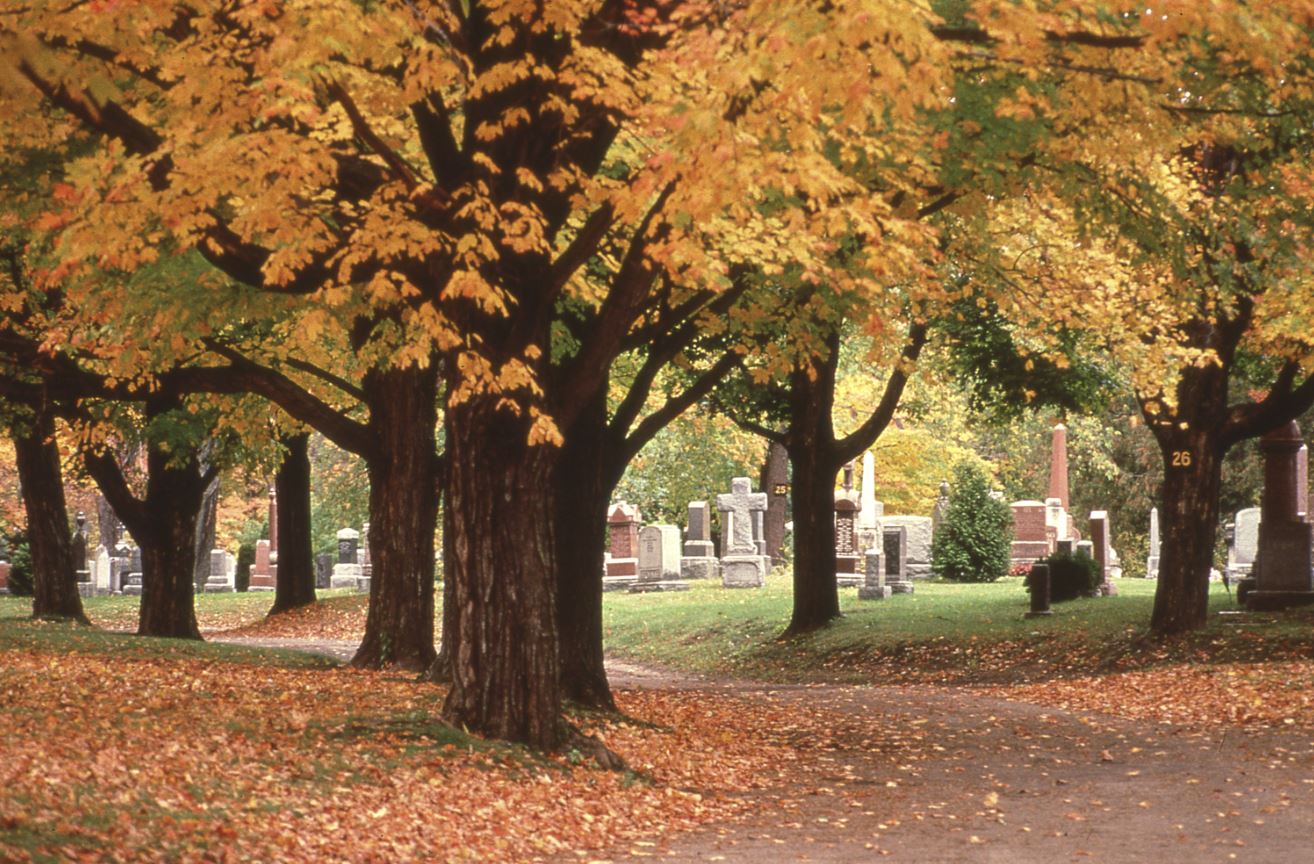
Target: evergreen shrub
x,y
972,545
1070,576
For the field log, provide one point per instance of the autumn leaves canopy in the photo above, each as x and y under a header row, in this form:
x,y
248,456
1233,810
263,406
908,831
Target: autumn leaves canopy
x,y
384,209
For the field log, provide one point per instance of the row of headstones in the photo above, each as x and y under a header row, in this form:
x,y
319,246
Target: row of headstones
x,y
652,558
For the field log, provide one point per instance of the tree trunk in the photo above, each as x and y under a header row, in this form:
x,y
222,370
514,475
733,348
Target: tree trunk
x,y
811,447
174,494
775,472
583,491
1193,465
504,641
294,586
403,517
54,577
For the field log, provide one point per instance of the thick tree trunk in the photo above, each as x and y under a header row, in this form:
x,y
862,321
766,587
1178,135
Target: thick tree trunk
x,y
174,495
1193,464
583,490
403,516
294,585
504,641
811,448
54,580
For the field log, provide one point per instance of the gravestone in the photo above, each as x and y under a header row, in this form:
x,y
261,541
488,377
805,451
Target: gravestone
x,y
1152,560
1284,569
873,586
348,573
132,578
363,553
262,573
1031,540
659,560
223,573
846,540
1058,465
941,510
80,565
699,558
759,529
1067,546
1102,547
1302,483
1039,584
622,568
1244,543
323,570
4,577
918,535
101,571
741,565
894,542
870,510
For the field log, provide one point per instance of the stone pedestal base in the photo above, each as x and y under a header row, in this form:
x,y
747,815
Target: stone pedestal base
x,y
849,580
744,571
874,592
662,585
1108,589
348,576
699,549
1271,601
699,567
219,585
618,583
1043,613
900,586
132,584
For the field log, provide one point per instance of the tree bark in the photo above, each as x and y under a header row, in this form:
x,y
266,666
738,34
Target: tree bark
x,y
1193,445
54,577
812,453
583,490
775,472
403,517
164,525
502,586
294,586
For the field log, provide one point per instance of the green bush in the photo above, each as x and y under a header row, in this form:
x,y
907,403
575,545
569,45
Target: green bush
x,y
20,563
1070,576
973,543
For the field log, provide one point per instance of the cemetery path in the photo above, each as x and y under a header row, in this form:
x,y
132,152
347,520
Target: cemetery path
x,y
927,774
939,774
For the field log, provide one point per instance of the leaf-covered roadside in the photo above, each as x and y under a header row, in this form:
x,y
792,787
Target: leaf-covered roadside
x,y
119,758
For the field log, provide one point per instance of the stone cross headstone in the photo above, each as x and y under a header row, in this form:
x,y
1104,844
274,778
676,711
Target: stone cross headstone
x,y
1284,568
741,565
622,567
659,560
894,543
699,558
1152,560
873,586
348,573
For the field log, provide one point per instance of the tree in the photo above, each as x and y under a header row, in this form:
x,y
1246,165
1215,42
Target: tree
x,y
295,584
972,544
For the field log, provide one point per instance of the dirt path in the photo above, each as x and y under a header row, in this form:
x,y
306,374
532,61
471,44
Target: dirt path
x,y
929,774
925,774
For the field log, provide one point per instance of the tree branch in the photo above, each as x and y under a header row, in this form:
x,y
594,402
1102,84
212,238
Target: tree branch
x,y
852,445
